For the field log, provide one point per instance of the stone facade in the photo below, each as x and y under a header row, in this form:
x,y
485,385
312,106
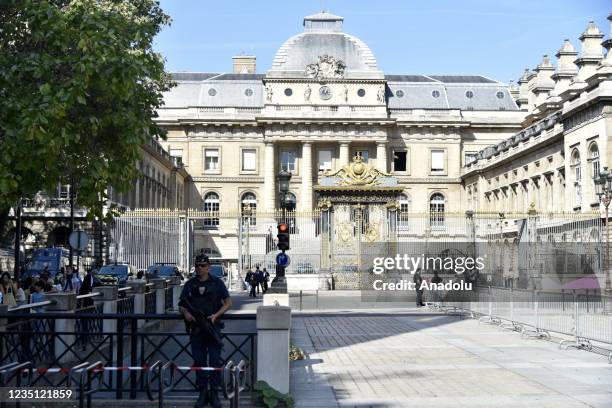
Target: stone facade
x,y
324,101
566,137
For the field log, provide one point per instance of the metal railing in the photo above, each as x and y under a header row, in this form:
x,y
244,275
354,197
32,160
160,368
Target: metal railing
x,y
39,341
587,318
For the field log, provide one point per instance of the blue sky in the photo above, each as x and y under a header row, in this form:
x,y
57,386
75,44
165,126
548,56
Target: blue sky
x,y
496,38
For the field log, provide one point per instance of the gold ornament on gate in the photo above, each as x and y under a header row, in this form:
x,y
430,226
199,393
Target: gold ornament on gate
x,y
357,173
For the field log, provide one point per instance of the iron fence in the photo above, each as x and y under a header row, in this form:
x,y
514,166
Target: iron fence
x,y
51,350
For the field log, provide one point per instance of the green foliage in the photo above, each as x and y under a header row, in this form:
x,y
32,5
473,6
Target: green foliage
x,y
270,397
295,353
79,88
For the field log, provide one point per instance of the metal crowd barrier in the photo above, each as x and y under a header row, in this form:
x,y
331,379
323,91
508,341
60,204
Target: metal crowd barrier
x,y
156,373
22,373
587,318
237,376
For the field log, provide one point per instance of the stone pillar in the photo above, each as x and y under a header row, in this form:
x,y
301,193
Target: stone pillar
x,y
269,193
175,283
381,156
108,297
139,289
63,303
159,286
344,157
273,327
306,196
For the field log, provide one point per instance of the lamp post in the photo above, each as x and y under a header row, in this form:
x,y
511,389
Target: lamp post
x,y
283,188
603,188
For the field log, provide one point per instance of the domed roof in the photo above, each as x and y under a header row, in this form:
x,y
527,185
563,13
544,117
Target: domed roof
x,y
323,37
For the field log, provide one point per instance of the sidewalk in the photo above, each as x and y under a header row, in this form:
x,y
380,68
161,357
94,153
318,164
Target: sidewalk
x,y
438,361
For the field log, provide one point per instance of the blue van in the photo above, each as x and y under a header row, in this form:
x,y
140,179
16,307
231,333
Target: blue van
x,y
47,259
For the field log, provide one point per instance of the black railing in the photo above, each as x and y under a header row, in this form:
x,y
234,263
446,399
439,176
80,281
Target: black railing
x,y
35,338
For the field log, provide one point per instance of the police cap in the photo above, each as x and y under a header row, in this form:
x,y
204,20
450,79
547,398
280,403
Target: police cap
x,y
202,259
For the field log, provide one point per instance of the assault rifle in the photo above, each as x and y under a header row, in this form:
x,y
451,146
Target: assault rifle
x,y
201,323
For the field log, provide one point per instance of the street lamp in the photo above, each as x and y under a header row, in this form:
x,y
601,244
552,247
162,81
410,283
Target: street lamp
x,y
603,188
283,188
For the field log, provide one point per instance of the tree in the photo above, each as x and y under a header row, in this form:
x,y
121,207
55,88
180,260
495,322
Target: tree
x,y
79,88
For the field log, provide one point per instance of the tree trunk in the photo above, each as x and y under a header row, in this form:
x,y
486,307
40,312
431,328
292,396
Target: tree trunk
x,y
4,212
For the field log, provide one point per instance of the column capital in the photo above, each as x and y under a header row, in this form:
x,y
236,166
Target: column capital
x,y
345,143
381,142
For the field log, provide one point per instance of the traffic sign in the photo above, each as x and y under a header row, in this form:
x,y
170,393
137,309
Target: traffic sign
x,y
78,240
283,259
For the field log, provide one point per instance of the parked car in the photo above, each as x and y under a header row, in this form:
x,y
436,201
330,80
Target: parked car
x,y
114,274
50,260
217,270
163,270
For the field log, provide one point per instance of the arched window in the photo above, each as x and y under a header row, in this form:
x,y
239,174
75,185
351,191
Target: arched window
x,y
436,210
404,207
594,159
249,201
577,174
211,206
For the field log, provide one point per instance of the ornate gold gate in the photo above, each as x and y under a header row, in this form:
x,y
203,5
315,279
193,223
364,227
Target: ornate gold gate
x,y
359,203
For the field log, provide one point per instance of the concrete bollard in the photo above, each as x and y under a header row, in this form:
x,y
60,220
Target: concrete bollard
x,y
139,289
63,303
273,327
175,284
108,297
159,286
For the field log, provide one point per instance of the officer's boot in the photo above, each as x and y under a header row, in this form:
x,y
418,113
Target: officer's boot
x,y
202,398
214,398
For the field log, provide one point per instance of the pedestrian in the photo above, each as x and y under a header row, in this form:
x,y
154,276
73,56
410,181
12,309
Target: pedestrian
x,y
266,278
208,295
258,279
8,287
86,288
252,281
73,281
44,278
38,295
418,280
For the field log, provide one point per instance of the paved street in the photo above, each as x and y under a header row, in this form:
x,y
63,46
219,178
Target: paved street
x,y
438,361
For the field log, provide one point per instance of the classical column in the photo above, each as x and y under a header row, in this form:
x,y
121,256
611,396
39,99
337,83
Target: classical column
x,y
381,156
344,158
269,193
306,196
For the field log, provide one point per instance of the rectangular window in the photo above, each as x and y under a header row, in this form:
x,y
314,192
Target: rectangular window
x,y
64,191
400,162
288,160
211,160
325,160
178,153
437,161
249,159
364,154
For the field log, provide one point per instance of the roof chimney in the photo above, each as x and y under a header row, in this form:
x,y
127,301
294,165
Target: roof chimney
x,y
244,64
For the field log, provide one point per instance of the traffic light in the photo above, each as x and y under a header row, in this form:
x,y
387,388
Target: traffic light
x,y
283,236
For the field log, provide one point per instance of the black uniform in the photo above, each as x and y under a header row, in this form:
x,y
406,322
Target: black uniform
x,y
206,296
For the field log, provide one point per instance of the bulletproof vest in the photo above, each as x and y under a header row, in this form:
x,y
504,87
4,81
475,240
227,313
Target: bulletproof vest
x,y
205,296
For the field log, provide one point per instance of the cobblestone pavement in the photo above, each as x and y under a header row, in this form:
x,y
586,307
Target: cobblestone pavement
x,y
438,361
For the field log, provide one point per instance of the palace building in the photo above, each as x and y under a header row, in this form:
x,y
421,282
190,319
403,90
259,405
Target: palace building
x,y
442,144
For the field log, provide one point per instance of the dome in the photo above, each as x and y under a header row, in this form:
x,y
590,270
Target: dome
x,y
322,37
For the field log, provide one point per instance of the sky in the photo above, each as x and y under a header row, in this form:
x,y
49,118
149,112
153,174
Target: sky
x,y
495,38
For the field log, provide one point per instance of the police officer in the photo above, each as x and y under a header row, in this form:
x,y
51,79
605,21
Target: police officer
x,y
209,295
